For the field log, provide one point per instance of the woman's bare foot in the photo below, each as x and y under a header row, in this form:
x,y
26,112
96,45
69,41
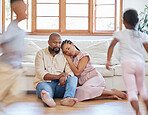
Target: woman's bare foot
x,y
114,97
120,94
47,99
69,101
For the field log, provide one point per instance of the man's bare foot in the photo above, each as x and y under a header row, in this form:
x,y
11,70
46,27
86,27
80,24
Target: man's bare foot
x,y
47,99
69,101
120,94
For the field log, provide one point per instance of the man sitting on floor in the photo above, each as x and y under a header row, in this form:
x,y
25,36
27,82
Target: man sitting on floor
x,y
54,77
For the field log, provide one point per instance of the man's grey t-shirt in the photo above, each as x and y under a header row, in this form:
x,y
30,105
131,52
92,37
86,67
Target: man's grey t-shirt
x,y
12,44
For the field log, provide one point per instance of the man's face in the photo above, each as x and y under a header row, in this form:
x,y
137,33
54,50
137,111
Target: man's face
x,y
55,44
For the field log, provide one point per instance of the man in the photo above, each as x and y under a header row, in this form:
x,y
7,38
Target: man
x,y
54,77
11,44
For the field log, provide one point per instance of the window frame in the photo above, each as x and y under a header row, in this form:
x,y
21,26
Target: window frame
x,y
115,22
62,20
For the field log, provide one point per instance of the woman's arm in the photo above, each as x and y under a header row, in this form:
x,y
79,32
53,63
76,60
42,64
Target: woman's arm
x,y
110,52
81,65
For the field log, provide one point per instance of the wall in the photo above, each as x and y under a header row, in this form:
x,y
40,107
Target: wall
x,y
138,5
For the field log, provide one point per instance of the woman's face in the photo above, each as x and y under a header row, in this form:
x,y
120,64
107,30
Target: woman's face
x,y
69,49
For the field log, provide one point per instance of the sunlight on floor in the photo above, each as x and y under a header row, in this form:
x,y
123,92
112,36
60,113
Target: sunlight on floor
x,y
31,105
23,108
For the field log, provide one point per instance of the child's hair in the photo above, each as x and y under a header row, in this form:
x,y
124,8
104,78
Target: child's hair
x,y
54,34
11,1
69,42
131,17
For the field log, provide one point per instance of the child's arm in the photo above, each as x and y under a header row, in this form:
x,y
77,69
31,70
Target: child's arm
x,y
110,51
146,46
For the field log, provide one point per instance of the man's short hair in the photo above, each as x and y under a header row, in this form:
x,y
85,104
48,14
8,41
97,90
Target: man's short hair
x,y
54,34
11,1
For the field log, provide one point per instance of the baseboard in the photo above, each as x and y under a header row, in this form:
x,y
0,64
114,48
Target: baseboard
x,y
34,92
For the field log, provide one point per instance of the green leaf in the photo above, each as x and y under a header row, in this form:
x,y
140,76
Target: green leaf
x,y
143,21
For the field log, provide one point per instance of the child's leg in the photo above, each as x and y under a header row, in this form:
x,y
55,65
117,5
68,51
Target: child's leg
x,y
15,91
135,105
140,77
128,71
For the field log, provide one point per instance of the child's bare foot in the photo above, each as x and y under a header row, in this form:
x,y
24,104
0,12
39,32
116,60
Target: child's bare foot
x,y
47,99
138,113
146,104
69,101
120,94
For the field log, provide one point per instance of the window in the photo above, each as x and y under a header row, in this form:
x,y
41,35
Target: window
x,y
70,17
107,15
77,14
47,14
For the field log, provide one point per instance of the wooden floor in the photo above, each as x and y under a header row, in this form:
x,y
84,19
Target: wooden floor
x,y
31,105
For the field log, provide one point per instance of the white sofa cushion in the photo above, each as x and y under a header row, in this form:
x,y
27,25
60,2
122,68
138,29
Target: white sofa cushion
x,y
29,69
97,50
30,51
102,69
117,70
42,43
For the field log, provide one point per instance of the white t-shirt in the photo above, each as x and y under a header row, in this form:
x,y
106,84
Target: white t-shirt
x,y
131,43
12,45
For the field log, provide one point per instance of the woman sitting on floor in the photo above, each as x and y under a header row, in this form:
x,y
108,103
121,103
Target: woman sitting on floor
x,y
91,84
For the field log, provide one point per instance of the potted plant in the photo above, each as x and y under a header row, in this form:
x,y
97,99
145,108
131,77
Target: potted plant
x,y
143,22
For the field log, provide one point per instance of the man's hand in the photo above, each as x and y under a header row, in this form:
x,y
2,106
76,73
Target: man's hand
x,y
62,78
62,81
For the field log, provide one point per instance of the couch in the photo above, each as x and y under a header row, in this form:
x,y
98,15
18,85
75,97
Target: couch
x,y
98,52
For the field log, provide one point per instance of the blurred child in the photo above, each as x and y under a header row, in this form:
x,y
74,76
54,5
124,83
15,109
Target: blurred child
x,y
12,44
132,60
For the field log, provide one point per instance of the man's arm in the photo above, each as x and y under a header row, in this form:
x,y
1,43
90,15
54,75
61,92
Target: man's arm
x,y
41,70
52,77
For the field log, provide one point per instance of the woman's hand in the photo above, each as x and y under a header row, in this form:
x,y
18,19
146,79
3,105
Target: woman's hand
x,y
67,57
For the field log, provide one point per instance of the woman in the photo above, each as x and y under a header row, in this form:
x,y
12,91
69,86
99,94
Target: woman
x,y
91,84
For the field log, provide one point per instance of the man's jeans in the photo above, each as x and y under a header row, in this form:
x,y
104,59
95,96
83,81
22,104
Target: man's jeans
x,y
57,91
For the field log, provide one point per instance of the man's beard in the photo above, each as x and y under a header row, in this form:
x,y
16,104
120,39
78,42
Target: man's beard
x,y
54,50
